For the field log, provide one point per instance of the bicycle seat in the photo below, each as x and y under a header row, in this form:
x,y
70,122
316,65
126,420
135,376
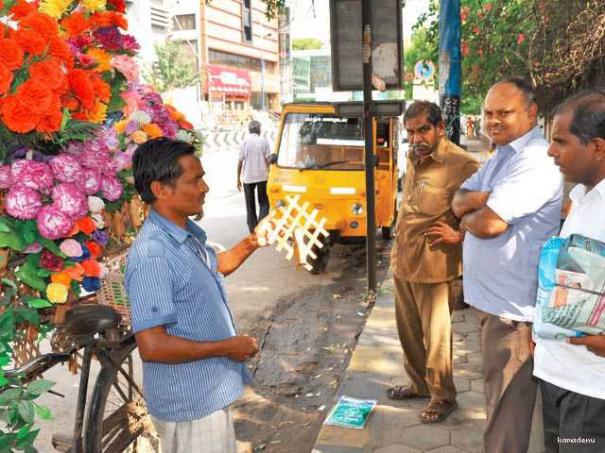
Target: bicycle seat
x,y
84,320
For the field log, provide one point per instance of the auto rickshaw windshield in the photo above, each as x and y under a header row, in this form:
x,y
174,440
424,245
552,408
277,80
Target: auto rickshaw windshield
x,y
321,141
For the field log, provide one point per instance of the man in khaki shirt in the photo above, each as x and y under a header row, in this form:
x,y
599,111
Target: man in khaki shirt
x,y
426,258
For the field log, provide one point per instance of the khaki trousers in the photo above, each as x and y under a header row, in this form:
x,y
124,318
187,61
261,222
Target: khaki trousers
x,y
510,388
423,315
211,434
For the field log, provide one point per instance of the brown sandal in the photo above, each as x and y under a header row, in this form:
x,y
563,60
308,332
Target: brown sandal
x,y
399,392
437,411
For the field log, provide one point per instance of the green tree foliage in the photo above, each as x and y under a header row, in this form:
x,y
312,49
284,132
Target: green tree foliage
x,y
306,44
557,44
172,69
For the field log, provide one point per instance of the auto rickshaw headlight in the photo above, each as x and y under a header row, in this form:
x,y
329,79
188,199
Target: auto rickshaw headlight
x,y
357,209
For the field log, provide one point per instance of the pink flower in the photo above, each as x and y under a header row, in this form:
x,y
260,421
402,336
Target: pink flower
x,y
71,248
127,67
98,160
70,200
32,174
53,224
66,168
90,179
112,188
33,248
6,178
121,161
23,203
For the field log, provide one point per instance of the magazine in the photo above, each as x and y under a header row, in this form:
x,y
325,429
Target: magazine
x,y
350,413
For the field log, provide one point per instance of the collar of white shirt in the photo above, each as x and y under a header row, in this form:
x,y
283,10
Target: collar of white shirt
x,y
578,194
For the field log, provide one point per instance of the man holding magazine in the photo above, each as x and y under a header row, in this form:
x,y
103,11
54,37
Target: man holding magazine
x,y
572,372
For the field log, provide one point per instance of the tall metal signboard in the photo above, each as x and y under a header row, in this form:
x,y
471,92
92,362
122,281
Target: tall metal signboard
x,y
450,66
367,48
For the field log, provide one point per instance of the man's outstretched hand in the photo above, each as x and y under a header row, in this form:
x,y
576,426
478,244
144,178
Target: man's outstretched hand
x,y
594,343
240,348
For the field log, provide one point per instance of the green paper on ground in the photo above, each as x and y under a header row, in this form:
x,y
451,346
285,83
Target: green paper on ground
x,y
350,412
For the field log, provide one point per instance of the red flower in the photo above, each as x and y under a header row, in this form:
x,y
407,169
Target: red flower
x,y
91,268
12,53
520,38
94,248
6,78
118,5
75,24
51,121
50,73
30,40
22,8
37,96
50,261
18,116
86,225
59,49
80,84
42,23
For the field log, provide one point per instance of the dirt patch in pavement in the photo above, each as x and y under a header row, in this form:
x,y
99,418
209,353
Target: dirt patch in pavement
x,y
306,346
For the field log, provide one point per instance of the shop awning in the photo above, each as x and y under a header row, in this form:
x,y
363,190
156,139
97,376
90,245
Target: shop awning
x,y
229,81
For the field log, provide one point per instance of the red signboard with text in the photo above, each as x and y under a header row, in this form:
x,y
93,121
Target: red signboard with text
x,y
231,82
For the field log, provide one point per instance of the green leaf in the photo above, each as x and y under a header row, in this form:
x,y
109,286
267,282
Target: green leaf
x,y
9,282
22,433
12,240
4,226
37,303
52,246
28,275
38,387
3,380
29,315
26,410
10,395
26,443
43,273
43,412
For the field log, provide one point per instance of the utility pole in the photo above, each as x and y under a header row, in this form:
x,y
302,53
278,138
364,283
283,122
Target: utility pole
x,y
366,27
450,66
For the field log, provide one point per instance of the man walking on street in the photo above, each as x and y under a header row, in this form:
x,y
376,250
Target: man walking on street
x,y
253,171
572,373
509,209
426,258
193,358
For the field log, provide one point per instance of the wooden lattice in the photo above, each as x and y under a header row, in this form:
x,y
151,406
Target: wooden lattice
x,y
296,231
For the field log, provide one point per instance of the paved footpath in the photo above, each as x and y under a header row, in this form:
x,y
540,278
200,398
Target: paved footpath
x,y
393,426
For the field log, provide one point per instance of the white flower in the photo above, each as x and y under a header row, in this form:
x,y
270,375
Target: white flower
x,y
98,220
184,136
140,117
95,204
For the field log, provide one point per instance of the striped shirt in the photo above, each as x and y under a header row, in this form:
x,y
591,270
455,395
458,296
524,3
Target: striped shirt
x,y
172,280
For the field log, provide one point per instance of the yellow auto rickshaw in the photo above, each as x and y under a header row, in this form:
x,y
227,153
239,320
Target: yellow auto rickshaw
x,y
320,156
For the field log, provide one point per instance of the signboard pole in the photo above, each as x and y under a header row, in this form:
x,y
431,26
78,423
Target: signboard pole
x,y
366,16
450,66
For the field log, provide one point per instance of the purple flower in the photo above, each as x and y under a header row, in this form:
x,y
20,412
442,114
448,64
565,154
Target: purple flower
x,y
70,200
131,127
109,38
23,203
66,168
33,248
91,284
112,189
53,224
32,174
101,237
90,179
6,178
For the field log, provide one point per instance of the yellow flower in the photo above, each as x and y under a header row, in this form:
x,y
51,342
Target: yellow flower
x,y
94,5
120,126
54,8
153,130
102,58
57,293
98,113
139,137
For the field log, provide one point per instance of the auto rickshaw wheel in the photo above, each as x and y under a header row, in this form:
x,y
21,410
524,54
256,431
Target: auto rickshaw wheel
x,y
321,262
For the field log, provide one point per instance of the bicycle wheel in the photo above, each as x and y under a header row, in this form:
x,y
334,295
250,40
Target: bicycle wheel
x,y
117,418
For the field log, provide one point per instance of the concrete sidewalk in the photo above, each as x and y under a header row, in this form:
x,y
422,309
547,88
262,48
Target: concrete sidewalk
x,y
394,426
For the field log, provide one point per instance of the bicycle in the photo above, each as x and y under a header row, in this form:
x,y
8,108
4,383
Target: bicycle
x,y
115,419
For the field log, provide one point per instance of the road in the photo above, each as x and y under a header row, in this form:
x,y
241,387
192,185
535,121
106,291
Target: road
x,y
307,326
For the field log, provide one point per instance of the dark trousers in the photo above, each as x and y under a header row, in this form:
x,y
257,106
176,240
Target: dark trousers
x,y
263,203
572,422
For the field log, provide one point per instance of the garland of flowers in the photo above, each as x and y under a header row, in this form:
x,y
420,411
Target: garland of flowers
x,y
72,112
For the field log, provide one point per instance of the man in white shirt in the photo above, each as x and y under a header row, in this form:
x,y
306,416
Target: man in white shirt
x,y
253,170
572,373
509,208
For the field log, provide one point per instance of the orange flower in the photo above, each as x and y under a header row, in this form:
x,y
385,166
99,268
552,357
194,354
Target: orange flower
x,y
42,23
75,272
120,126
51,121
30,40
98,113
108,19
37,96
102,58
59,49
184,124
6,78
80,84
101,88
75,24
61,277
91,268
174,113
12,53
94,248
22,8
50,73
153,130
18,116
86,225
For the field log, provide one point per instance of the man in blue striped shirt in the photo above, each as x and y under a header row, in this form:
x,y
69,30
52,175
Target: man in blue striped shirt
x,y
193,358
